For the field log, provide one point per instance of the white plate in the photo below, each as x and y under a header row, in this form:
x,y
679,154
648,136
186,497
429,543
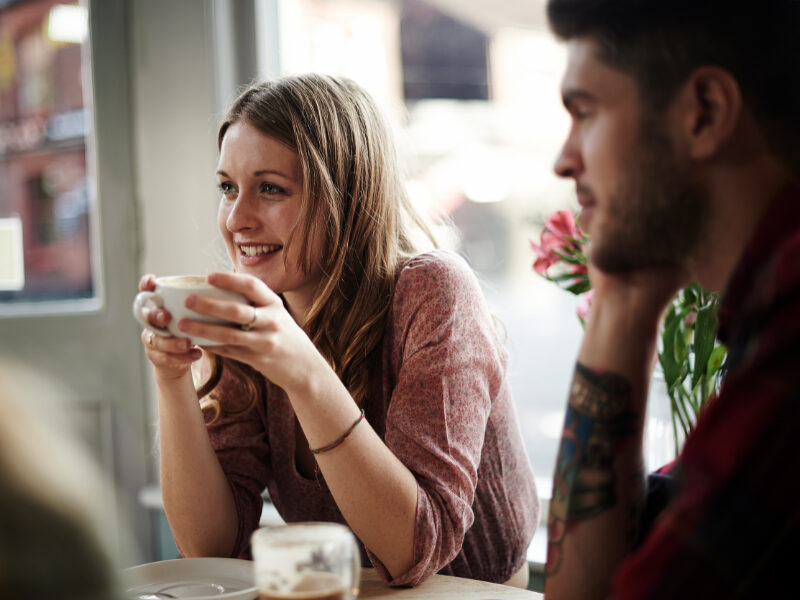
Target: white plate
x,y
193,578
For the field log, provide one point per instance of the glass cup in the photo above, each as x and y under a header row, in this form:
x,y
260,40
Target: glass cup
x,y
308,561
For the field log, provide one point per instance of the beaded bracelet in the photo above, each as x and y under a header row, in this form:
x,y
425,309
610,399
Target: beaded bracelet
x,y
340,440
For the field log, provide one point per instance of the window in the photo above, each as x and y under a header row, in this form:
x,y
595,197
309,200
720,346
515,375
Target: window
x,y
442,56
45,192
474,90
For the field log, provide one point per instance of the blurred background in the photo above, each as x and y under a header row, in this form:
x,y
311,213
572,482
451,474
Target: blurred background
x,y
108,118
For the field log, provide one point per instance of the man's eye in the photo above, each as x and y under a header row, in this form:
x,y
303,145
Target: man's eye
x,y
580,112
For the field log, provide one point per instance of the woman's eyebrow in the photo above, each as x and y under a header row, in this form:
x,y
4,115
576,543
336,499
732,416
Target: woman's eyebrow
x,y
258,173
271,172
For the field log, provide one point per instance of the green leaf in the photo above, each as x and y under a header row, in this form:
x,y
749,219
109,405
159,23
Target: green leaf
x,y
667,355
690,295
573,260
705,333
674,356
579,287
716,359
567,276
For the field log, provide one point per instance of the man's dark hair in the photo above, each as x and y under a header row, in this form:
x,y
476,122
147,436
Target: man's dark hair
x,y
660,42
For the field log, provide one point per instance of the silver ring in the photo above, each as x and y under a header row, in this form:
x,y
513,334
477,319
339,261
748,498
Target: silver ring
x,y
249,326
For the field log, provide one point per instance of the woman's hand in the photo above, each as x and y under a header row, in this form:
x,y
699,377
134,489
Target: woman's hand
x,y
267,338
172,357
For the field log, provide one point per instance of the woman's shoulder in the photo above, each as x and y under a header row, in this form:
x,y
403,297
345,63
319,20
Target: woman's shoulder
x,y
436,268
436,280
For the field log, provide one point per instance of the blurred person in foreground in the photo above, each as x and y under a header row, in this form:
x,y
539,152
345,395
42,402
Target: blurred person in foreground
x,y
366,383
55,531
684,150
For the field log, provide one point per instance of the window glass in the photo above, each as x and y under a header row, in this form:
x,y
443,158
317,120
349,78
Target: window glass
x,y
44,188
474,90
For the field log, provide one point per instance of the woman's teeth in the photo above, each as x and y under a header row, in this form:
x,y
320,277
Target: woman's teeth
x,y
258,250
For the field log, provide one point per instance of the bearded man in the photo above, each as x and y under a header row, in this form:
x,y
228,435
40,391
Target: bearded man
x,y
684,150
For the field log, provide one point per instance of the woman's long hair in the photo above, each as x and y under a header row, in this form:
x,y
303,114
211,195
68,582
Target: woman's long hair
x,y
354,199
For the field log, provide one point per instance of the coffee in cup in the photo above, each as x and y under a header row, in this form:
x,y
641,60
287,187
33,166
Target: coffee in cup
x,y
170,293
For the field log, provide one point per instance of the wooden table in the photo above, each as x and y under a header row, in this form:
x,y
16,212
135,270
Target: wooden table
x,y
442,587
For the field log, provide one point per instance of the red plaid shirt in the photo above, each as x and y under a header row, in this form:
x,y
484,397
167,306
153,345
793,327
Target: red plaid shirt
x,y
733,527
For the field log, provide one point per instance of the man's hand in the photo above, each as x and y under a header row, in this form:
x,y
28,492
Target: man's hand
x,y
598,485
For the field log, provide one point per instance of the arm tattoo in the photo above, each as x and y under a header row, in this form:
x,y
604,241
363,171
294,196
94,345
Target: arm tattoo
x,y
598,421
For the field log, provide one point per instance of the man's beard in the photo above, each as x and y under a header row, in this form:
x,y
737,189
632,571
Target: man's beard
x,y
657,215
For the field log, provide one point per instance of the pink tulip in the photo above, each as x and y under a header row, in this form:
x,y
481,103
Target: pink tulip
x,y
562,224
545,255
584,306
557,238
579,269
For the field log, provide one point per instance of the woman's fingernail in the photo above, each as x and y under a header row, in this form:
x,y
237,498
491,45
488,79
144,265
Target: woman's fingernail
x,y
190,299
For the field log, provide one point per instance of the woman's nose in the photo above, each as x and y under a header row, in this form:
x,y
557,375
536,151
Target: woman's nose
x,y
242,215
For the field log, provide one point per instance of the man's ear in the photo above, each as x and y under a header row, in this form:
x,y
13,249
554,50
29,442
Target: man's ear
x,y
710,105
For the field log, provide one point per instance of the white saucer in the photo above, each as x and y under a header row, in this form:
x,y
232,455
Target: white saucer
x,y
193,578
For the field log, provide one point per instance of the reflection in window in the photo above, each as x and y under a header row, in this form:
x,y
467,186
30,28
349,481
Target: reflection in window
x,y
43,129
442,56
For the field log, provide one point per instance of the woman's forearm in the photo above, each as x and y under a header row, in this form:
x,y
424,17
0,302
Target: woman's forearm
x,y
375,492
197,497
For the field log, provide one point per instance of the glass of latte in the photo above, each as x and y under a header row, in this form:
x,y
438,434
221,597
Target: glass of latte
x,y
306,561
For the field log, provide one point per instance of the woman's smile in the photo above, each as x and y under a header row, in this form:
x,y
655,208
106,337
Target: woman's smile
x,y
251,255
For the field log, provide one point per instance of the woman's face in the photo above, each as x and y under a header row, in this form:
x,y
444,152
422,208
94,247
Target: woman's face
x,y
261,183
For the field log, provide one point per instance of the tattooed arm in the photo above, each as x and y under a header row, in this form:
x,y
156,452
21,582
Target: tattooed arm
x,y
599,483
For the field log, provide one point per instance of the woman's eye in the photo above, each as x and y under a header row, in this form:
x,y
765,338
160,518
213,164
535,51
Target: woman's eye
x,y
270,189
225,187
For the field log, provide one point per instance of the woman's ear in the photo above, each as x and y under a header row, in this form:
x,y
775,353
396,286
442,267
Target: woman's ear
x,y
710,107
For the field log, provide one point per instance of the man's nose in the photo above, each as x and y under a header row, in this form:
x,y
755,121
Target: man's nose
x,y
568,162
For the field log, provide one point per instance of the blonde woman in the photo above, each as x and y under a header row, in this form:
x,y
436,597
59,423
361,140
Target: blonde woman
x,y
366,384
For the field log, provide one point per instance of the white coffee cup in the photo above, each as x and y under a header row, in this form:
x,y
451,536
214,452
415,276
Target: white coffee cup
x,y
170,293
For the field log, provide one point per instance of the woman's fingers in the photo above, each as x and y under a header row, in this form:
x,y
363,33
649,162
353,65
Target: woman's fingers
x,y
223,334
173,350
252,288
157,317
235,313
147,283
173,345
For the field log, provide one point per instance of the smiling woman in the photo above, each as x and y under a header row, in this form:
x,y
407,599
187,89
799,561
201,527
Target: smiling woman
x,y
368,386
262,190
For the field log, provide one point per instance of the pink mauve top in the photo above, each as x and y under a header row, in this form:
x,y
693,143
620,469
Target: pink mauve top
x,y
444,409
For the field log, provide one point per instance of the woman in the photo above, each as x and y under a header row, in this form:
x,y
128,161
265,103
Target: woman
x,y
382,360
